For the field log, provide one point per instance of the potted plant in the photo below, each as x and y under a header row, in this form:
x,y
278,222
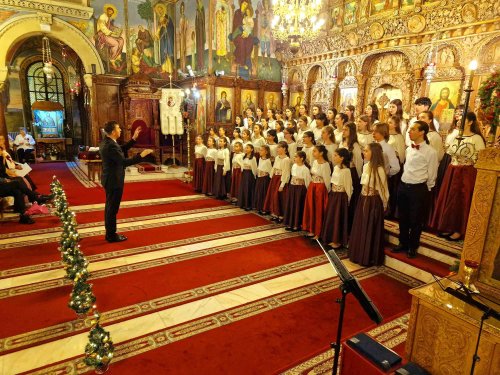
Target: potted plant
x,y
52,151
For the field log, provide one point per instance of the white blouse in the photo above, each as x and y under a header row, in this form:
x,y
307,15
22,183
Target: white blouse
x,y
281,136
211,153
451,137
436,143
301,171
238,159
200,150
257,143
317,133
322,170
381,185
342,177
357,158
252,163
223,153
265,166
331,149
365,139
398,142
274,150
292,151
338,136
282,164
300,137
309,153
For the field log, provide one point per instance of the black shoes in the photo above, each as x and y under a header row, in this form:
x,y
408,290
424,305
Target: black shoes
x,y
411,254
116,238
26,219
41,199
399,249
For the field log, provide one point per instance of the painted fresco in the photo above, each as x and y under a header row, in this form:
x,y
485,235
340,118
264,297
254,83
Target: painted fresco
x,y
109,35
223,105
242,44
249,100
272,100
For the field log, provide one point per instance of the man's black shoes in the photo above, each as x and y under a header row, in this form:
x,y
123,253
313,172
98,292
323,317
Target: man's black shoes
x,y
116,238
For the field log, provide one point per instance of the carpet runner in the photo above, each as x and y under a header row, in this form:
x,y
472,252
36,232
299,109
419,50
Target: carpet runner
x,y
199,287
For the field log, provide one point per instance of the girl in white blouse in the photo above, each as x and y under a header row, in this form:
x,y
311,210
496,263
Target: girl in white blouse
x,y
320,122
246,136
222,167
265,126
200,151
364,130
208,176
279,131
297,190
302,129
236,165
309,143
328,140
340,120
248,174
280,176
257,139
396,139
317,193
262,184
335,230
366,242
237,138
455,195
272,142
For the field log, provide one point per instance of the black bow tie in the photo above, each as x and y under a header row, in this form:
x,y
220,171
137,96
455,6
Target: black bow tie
x,y
413,145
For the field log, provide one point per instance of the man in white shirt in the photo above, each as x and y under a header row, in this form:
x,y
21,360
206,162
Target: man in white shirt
x,y
421,104
381,136
24,143
419,177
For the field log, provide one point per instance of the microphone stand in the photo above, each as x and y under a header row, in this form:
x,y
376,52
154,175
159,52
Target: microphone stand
x,y
475,357
337,344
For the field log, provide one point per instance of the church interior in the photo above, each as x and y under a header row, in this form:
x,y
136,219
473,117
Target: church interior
x,y
250,187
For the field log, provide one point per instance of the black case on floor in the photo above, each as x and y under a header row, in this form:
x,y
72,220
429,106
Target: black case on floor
x,y
412,369
374,351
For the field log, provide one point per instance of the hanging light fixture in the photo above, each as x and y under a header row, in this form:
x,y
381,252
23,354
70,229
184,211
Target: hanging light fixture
x,y
296,21
47,58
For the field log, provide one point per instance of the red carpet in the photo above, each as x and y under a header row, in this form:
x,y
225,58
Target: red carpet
x,y
422,262
266,336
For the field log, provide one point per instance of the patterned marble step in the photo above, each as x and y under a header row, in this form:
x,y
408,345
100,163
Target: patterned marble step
x,y
420,268
430,244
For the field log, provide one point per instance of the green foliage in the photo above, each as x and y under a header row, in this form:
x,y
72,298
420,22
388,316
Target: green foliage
x,y
145,11
489,94
99,350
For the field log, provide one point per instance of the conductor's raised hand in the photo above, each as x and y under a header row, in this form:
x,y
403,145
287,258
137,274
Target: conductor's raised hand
x,y
145,153
136,133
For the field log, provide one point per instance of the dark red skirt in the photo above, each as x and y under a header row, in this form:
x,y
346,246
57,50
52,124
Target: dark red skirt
x,y
208,178
294,207
220,191
261,187
246,189
198,171
314,209
454,200
275,199
235,183
366,242
336,222
356,191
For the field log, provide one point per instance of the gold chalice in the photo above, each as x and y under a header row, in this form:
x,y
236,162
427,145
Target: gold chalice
x,y
470,270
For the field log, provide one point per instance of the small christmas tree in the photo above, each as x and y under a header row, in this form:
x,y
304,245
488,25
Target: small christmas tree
x,y
82,298
99,350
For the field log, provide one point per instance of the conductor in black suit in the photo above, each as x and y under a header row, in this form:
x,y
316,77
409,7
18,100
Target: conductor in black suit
x,y
114,162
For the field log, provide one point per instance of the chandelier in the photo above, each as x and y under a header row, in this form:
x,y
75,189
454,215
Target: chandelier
x,y
296,20
47,58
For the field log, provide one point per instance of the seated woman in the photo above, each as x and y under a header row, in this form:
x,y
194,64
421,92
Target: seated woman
x,y
24,143
8,165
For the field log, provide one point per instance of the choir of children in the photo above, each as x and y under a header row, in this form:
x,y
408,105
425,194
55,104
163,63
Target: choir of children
x,y
335,179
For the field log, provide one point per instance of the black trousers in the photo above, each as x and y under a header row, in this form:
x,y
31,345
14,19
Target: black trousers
x,y
18,191
113,200
413,200
23,155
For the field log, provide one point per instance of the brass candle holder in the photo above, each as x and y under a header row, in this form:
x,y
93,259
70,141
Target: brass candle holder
x,y
470,272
